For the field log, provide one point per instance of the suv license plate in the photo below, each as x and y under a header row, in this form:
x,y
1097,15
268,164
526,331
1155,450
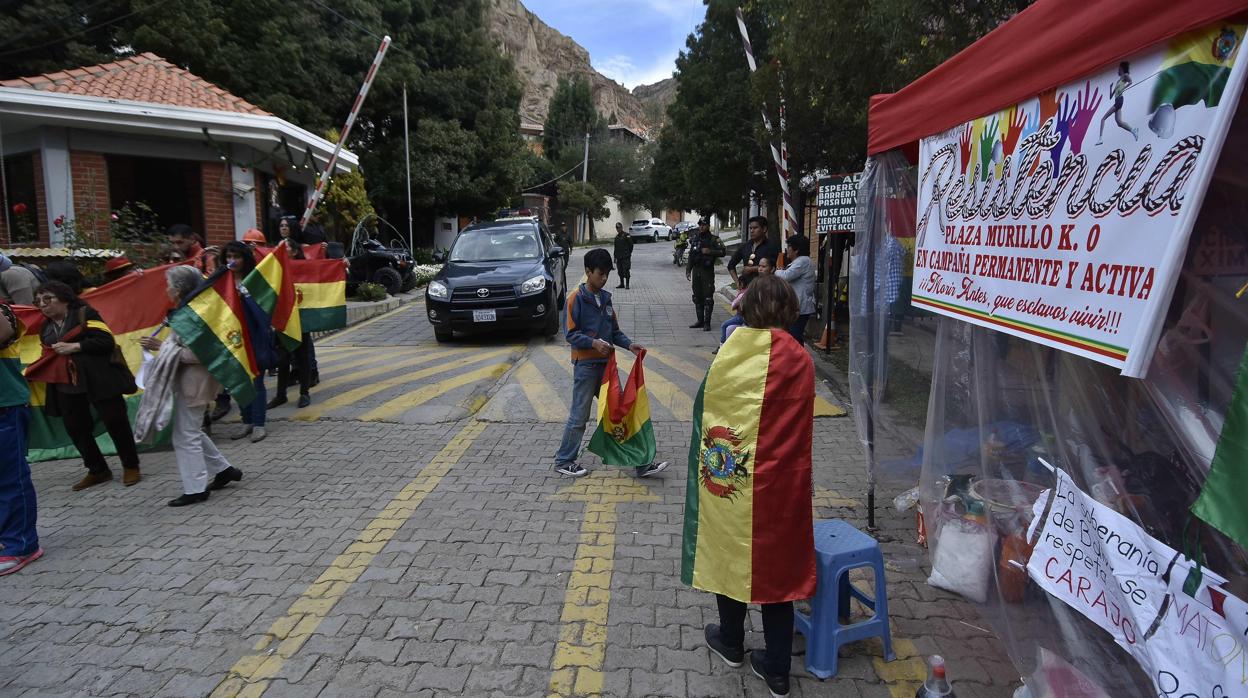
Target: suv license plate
x,y
484,316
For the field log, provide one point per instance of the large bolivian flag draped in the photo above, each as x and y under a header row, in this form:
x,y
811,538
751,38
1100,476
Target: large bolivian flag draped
x,y
321,287
213,325
624,435
131,307
1197,66
748,522
272,288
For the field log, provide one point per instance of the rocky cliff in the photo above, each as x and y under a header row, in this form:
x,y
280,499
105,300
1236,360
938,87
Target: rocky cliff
x,y
656,98
542,54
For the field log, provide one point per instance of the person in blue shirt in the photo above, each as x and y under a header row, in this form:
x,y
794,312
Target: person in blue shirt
x,y
593,331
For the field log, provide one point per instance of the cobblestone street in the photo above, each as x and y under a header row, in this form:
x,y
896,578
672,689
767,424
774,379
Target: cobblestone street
x,y
405,535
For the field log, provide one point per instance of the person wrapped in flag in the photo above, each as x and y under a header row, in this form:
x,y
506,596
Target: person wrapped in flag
x,y
748,531
208,338
593,331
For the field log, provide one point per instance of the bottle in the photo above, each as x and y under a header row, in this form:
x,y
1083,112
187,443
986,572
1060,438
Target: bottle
x,y
936,685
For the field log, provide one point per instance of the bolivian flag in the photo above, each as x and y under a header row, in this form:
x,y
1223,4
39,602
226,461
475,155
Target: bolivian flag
x,y
748,528
1221,501
131,307
1197,66
321,289
213,325
624,435
272,288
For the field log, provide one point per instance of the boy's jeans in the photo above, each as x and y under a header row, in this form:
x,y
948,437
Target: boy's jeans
x,y
586,380
18,508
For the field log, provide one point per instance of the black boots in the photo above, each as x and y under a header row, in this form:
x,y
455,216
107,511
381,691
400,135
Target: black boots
x,y
701,317
709,312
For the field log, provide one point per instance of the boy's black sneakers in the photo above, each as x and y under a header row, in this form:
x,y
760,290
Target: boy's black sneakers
x,y
777,684
732,656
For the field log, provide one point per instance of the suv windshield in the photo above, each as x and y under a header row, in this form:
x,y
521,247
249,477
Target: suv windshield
x,y
495,244
641,222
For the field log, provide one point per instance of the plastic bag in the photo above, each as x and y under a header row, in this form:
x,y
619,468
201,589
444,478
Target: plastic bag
x,y
963,560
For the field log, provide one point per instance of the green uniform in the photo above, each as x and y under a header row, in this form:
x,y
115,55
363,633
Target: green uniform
x,y
624,256
702,272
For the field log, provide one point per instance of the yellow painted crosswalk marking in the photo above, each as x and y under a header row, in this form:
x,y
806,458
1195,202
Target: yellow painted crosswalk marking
x,y
668,394
546,404
370,357
350,397
399,405
356,376
250,675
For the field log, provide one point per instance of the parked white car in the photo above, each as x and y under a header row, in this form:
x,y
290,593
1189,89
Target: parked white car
x,y
650,229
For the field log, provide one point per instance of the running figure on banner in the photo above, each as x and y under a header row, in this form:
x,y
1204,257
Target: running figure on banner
x,y
1120,86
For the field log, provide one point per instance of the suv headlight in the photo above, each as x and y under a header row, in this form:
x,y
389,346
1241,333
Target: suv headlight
x,y
533,285
438,290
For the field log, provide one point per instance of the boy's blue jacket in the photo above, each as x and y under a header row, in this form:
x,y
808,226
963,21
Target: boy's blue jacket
x,y
592,317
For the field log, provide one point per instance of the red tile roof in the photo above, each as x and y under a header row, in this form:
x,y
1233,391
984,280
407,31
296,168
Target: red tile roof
x,y
142,78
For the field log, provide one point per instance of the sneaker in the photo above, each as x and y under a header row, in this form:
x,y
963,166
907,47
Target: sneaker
x,y
305,400
652,469
777,684
12,563
242,433
570,470
732,656
276,402
258,434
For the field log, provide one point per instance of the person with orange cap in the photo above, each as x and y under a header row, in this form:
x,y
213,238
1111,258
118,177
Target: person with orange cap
x,y
254,238
117,268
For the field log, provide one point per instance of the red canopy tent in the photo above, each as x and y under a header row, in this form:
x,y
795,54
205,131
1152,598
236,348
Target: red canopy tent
x,y
1001,408
1041,47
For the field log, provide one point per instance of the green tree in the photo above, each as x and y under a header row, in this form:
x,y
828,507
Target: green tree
x,y
583,196
305,65
571,115
712,146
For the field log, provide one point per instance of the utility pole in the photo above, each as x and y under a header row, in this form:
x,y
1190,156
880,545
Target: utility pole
x,y
585,178
407,155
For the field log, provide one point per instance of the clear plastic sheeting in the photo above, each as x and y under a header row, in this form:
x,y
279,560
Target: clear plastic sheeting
x,y
977,418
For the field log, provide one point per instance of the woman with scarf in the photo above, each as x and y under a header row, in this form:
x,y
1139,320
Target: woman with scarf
x,y
84,370
181,378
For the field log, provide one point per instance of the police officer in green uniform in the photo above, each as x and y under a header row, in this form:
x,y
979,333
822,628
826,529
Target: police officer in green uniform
x,y
705,248
623,255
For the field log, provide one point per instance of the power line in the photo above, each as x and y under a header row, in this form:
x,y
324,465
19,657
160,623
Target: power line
x,y
556,179
88,30
31,30
353,23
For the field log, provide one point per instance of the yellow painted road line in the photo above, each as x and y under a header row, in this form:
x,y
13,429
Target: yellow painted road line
x,y
356,376
250,675
561,357
347,332
392,409
350,397
333,366
904,674
579,655
670,395
548,406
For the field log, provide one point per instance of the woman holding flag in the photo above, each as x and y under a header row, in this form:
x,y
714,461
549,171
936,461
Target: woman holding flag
x,y
193,389
302,356
84,371
749,533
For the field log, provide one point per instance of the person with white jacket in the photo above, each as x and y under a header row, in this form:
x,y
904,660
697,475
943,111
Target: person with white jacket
x,y
801,275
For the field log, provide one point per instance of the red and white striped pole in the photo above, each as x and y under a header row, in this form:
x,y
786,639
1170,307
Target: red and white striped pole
x,y
323,180
780,156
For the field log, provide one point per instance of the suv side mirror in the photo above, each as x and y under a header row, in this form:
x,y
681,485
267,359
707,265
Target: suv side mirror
x,y
439,257
557,251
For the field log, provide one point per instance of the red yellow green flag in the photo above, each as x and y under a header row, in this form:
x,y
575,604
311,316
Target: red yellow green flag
x,y
321,288
272,288
748,530
1221,501
624,435
130,307
213,325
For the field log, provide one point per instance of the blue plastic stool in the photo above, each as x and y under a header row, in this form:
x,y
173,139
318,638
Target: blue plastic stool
x,y
840,548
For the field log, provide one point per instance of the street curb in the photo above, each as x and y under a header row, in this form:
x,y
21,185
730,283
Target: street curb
x,y
359,311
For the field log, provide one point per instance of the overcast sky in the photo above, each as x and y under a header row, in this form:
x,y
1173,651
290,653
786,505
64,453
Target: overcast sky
x,y
634,42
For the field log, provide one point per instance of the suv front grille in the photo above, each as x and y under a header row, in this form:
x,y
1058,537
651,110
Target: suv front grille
x,y
496,293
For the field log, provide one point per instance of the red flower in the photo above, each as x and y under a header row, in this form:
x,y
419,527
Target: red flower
x,y
19,209
60,220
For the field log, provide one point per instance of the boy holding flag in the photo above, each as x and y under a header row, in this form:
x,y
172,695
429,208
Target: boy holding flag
x,y
593,331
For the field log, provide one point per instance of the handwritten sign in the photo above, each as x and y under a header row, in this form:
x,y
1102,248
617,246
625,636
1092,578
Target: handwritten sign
x,y
1065,219
837,202
1105,566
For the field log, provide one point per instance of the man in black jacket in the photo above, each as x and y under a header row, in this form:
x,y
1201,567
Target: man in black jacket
x,y
753,250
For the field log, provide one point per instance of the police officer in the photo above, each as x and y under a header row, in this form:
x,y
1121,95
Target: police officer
x,y
705,248
623,255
